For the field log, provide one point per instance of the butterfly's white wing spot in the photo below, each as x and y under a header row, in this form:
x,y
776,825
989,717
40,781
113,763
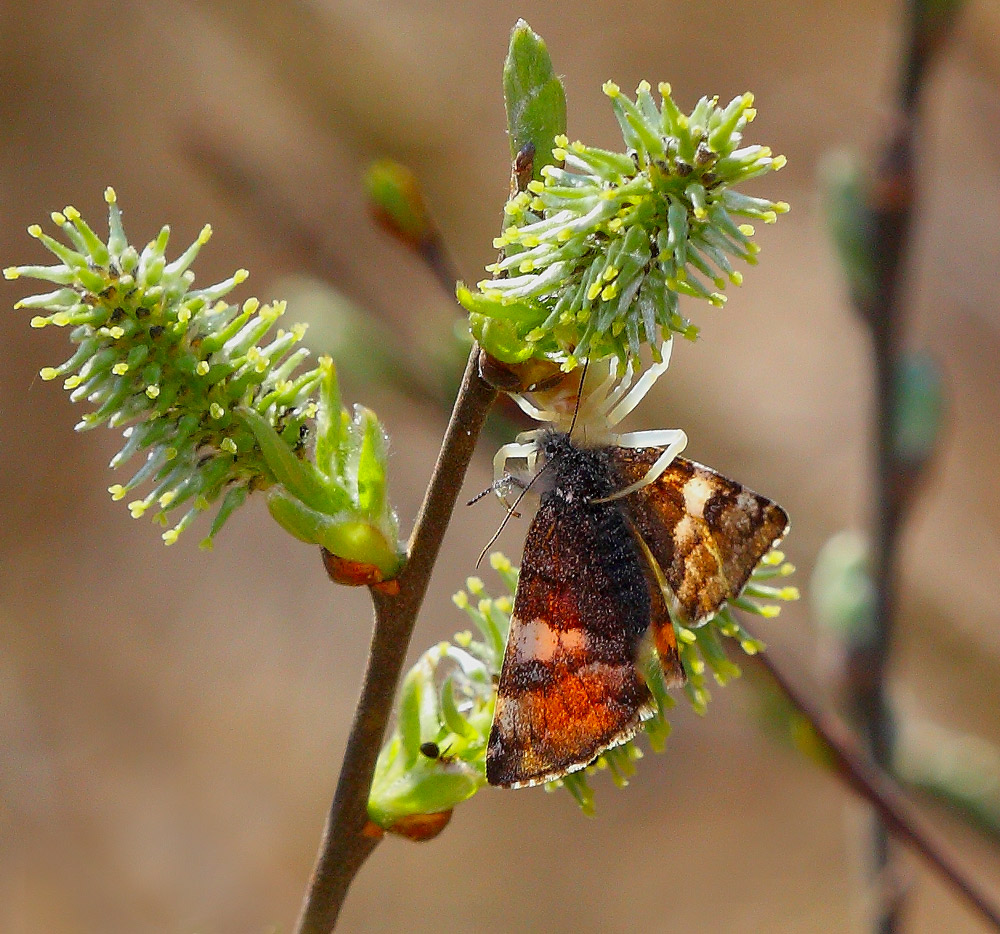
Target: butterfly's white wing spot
x,y
537,640
697,492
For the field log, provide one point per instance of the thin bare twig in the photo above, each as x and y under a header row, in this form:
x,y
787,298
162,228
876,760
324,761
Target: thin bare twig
x,y
878,789
890,214
345,846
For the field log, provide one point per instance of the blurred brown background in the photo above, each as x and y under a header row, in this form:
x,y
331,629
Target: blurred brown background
x,y
171,723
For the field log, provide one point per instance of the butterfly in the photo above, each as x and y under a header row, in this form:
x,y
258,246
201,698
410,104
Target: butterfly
x,y
617,536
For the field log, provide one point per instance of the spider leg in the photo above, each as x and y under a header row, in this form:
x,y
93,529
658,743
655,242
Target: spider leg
x,y
619,390
593,400
525,447
532,411
672,439
533,461
642,386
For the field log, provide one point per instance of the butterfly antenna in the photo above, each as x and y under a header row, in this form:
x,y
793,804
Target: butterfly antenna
x,y
492,488
579,396
511,511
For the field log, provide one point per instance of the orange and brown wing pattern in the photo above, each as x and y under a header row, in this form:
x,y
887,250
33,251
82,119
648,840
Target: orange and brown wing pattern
x,y
706,532
661,626
569,688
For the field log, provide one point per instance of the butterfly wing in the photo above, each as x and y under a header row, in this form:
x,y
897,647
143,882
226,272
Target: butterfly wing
x,y
660,624
569,688
706,532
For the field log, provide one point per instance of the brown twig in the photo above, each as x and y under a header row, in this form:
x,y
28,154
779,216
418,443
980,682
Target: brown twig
x,y
345,846
889,209
878,789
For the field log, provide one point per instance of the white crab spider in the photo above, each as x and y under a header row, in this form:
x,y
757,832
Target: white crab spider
x,y
591,415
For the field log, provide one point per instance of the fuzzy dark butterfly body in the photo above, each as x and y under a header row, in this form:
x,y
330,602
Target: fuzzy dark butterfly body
x,y
595,577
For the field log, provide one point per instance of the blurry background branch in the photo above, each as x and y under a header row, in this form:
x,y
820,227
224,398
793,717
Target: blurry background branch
x,y
871,222
831,743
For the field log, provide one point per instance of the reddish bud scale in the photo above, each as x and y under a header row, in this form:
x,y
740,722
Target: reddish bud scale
x,y
356,573
421,827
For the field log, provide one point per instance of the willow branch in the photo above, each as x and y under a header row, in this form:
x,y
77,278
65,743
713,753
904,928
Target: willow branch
x,y
346,845
890,217
879,790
